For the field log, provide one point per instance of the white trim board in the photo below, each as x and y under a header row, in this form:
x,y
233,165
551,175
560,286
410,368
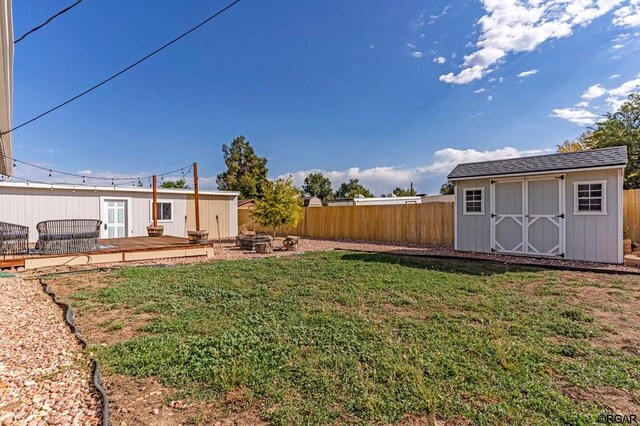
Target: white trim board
x,y
547,172
603,198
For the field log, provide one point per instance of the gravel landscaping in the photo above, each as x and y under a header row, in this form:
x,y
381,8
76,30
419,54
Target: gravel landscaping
x,y
44,375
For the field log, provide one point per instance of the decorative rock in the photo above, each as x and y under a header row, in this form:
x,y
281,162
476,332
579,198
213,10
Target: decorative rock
x,y
263,248
291,243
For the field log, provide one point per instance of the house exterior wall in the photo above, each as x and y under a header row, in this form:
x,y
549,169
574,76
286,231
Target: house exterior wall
x,y
595,238
28,205
211,205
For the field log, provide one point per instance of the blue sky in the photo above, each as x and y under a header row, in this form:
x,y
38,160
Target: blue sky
x,y
388,92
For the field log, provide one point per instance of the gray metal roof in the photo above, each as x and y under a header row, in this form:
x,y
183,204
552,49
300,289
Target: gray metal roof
x,y
615,156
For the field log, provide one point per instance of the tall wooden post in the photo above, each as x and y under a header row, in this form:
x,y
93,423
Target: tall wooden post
x,y
196,196
155,202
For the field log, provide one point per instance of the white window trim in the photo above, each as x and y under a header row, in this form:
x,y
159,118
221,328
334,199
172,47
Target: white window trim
x,y
603,212
162,202
464,200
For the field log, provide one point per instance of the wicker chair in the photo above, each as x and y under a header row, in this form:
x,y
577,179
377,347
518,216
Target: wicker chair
x,y
14,239
68,236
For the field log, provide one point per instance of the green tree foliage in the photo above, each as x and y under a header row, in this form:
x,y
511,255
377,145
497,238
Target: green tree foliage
x,y
175,184
246,172
351,188
280,205
401,192
317,185
620,128
446,188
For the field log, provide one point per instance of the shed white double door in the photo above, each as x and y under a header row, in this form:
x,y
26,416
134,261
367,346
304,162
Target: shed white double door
x,y
528,216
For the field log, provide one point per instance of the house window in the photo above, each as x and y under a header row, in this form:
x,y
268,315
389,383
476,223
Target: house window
x,y
165,211
473,201
590,198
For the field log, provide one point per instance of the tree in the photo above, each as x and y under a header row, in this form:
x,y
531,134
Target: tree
x,y
620,128
246,172
400,192
446,188
280,205
351,188
571,146
317,185
175,184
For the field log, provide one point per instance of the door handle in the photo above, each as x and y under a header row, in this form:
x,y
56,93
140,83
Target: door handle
x,y
105,226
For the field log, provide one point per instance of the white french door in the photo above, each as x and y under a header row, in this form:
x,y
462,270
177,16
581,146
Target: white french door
x,y
114,218
527,216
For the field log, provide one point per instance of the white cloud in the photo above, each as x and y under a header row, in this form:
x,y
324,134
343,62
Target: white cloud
x,y
481,90
575,115
440,60
528,73
85,172
615,98
426,178
629,15
512,26
490,98
614,76
411,46
594,91
417,54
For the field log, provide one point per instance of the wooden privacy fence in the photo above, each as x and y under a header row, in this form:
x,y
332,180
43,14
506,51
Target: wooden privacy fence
x,y
632,214
428,223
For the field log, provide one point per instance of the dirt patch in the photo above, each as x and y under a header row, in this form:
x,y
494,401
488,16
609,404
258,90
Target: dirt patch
x,y
615,400
148,402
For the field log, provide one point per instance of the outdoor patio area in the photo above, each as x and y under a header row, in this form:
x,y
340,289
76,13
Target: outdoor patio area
x,y
114,250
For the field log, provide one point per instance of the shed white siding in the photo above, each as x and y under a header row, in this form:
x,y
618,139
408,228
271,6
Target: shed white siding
x,y
472,231
587,237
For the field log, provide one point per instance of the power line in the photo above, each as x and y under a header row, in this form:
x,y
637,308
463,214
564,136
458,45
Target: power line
x,y
33,30
218,13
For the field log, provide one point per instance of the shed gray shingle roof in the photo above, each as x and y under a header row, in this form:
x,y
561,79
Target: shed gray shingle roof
x,y
615,156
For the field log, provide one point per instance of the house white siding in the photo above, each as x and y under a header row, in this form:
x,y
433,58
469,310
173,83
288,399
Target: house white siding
x,y
29,205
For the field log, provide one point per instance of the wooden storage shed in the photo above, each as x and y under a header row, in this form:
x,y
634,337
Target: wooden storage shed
x,y
566,205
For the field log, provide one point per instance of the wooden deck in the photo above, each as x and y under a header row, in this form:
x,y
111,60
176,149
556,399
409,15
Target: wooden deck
x,y
114,250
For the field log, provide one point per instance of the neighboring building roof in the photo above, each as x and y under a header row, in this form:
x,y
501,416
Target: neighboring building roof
x,y
438,198
6,86
11,184
249,202
311,202
593,158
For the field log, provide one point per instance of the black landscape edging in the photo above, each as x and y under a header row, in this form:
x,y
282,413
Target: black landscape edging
x,y
69,318
499,262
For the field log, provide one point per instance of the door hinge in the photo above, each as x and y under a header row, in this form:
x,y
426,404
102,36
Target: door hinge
x,y
493,215
561,177
561,255
561,216
492,250
492,181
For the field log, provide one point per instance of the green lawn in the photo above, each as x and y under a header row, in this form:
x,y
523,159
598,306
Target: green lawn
x,y
342,337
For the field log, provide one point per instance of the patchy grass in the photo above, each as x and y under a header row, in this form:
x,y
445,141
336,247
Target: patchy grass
x,y
343,337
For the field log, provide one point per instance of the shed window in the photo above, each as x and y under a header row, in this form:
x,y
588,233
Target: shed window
x,y
590,198
473,202
165,211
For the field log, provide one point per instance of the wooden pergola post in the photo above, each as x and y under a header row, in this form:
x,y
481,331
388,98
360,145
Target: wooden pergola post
x,y
155,201
196,196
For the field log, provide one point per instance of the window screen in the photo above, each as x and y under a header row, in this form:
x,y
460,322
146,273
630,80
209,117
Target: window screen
x,y
590,197
473,200
164,211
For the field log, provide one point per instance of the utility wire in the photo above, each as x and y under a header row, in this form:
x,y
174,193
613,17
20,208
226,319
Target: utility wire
x,y
138,62
33,30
